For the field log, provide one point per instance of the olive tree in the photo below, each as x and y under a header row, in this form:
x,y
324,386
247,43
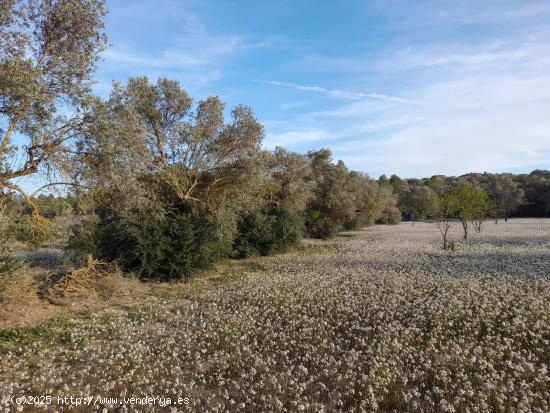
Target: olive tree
x,y
48,53
386,202
154,128
166,172
195,151
288,182
333,205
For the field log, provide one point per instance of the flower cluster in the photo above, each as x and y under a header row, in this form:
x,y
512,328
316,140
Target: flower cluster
x,y
384,322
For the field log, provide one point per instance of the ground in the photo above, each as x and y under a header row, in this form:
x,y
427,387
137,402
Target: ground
x,y
375,320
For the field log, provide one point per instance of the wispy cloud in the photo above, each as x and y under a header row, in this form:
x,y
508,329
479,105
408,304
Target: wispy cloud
x,y
339,93
206,52
415,88
176,41
484,108
465,12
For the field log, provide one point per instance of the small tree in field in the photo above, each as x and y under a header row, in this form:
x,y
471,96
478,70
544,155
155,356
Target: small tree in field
x,y
470,204
445,213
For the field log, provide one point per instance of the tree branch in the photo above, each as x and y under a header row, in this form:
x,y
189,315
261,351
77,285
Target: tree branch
x,y
53,184
27,197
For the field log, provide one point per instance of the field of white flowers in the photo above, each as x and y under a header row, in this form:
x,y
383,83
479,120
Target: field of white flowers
x,y
380,320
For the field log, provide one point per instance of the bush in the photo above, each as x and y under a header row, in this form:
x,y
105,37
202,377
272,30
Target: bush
x,y
319,226
164,246
33,230
273,229
81,241
14,279
390,215
357,222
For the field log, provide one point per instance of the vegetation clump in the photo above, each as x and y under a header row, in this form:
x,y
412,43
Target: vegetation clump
x,y
14,277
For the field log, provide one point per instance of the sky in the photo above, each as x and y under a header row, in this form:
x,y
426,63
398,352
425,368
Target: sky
x,y
413,88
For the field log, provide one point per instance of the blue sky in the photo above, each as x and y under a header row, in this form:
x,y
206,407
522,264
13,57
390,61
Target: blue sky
x,y
413,88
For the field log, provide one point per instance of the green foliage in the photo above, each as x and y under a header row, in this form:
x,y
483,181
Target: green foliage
x,y
389,216
164,246
342,198
466,203
48,53
418,202
53,207
386,202
34,230
469,202
272,229
81,241
15,280
14,276
506,195
319,226
397,184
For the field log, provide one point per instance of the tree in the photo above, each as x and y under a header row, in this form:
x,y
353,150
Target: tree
x,y
149,128
438,184
418,202
366,193
506,194
469,203
388,213
288,184
445,213
333,204
151,158
383,180
398,184
48,53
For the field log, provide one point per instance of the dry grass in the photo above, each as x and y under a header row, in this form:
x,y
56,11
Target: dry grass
x,y
15,281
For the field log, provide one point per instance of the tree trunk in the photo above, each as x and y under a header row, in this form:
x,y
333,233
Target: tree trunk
x,y
465,226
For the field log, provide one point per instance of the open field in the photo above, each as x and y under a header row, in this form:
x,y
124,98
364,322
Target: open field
x,y
376,320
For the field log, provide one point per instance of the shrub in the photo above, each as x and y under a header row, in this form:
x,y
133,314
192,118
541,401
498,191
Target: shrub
x,y
165,246
264,232
390,215
81,242
319,226
33,230
357,222
14,277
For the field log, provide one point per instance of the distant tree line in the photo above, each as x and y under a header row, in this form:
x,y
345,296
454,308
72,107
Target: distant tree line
x,y
510,195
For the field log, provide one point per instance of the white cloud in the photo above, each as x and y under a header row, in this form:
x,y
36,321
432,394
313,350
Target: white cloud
x,y
465,12
206,51
484,108
338,93
176,41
